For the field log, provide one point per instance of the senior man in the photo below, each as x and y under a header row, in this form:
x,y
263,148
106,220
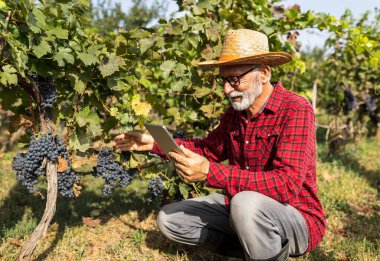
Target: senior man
x,y
270,208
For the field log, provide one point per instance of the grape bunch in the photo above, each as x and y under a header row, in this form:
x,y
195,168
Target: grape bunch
x,y
180,134
30,165
111,171
155,188
49,94
47,89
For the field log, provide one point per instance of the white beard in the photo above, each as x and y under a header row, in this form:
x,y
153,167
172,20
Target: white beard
x,y
247,97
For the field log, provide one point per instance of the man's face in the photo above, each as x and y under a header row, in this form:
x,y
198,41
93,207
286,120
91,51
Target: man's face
x,y
242,94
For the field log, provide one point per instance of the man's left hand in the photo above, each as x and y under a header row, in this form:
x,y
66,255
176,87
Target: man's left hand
x,y
191,166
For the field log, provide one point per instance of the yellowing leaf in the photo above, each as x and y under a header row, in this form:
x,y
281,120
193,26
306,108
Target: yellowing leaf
x,y
62,165
114,111
140,108
2,4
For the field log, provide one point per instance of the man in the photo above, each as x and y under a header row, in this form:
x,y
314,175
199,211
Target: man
x,y
271,209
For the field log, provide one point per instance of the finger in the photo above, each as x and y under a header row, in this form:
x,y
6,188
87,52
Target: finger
x,y
119,137
179,158
185,170
129,135
185,151
129,143
183,176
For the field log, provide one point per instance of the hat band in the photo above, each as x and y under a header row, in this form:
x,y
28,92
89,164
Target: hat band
x,y
226,58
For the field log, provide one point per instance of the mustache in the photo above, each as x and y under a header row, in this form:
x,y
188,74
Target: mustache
x,y
236,94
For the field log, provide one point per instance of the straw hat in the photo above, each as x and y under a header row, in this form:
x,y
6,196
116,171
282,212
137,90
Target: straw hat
x,y
246,46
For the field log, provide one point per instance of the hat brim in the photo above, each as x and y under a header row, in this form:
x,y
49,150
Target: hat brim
x,y
272,59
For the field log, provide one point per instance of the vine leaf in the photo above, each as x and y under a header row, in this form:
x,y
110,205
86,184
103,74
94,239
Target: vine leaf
x,y
167,67
86,116
37,20
42,49
2,4
110,65
8,75
140,108
59,32
64,54
88,58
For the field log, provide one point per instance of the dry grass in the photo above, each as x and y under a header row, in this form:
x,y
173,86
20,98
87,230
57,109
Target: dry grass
x,y
123,227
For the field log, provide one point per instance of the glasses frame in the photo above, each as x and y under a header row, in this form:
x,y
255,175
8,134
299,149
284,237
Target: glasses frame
x,y
234,80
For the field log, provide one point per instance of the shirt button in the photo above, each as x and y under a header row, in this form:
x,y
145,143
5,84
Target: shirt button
x,y
268,134
246,167
246,142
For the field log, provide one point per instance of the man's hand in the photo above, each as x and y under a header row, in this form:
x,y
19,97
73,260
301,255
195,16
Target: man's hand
x,y
191,166
134,140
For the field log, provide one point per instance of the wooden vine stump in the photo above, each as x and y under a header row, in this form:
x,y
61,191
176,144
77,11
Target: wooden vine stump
x,y
28,248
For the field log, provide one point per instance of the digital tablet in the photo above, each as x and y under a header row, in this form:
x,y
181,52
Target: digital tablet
x,y
163,138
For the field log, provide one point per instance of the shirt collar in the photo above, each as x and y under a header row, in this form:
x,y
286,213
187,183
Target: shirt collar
x,y
275,99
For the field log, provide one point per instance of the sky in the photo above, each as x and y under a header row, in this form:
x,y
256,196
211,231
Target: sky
x,y
311,38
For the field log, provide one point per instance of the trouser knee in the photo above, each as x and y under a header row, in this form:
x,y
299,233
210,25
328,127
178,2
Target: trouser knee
x,y
163,221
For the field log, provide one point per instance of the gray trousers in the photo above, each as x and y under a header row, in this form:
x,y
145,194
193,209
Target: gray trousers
x,y
256,225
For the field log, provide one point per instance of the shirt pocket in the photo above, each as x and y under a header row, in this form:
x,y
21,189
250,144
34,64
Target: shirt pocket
x,y
266,143
235,146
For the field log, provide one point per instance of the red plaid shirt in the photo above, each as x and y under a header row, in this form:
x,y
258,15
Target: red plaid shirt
x,y
273,153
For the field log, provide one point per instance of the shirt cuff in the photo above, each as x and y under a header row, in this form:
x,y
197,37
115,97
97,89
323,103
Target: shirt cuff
x,y
216,177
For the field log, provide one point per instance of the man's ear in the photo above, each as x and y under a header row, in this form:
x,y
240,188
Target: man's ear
x,y
265,73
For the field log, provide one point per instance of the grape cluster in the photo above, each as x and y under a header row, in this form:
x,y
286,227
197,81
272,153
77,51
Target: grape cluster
x,y
111,171
155,187
180,134
47,89
49,94
30,165
349,101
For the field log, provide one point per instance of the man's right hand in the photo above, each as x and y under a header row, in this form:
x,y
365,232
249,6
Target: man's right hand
x,y
134,140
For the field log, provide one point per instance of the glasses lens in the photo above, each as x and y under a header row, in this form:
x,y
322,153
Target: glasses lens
x,y
233,80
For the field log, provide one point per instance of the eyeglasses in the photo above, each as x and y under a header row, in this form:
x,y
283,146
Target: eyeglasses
x,y
233,80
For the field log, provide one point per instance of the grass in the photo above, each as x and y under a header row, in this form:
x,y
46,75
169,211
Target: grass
x,y
123,227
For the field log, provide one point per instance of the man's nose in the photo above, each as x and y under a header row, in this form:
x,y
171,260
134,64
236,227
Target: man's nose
x,y
227,88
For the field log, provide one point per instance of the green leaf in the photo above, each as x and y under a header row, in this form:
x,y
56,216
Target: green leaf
x,y
200,92
79,141
86,116
145,44
146,83
184,190
208,110
110,65
167,67
79,83
88,59
42,49
59,32
64,54
37,20
85,3
8,75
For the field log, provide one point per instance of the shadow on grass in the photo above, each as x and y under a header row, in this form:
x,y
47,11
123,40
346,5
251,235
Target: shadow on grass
x,y
350,162
19,206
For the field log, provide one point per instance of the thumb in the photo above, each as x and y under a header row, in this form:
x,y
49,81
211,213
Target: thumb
x,y
186,152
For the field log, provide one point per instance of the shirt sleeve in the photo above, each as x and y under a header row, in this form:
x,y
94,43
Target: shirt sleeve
x,y
213,147
296,152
